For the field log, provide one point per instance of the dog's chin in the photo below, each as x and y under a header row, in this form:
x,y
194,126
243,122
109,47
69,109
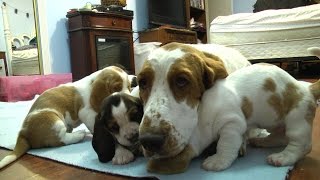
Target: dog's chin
x,y
163,153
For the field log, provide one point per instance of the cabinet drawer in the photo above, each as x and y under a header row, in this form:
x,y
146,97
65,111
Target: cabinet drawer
x,y
184,37
109,22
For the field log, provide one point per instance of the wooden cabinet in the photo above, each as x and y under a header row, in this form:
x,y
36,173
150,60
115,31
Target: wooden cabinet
x,y
193,9
98,40
167,34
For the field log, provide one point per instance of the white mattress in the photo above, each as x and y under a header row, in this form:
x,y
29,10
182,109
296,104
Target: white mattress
x,y
269,34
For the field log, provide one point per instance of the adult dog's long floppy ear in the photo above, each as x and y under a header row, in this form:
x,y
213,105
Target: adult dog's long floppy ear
x,y
102,142
213,69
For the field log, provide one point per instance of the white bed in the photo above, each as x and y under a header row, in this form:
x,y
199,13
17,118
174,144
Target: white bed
x,y
270,34
25,60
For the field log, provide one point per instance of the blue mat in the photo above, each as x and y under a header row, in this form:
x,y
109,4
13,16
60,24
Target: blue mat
x,y
252,166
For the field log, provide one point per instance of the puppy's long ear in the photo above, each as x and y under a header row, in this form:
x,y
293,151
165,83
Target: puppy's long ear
x,y
102,141
213,69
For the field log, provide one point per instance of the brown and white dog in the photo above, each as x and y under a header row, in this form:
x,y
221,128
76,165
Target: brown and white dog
x,y
58,110
116,129
172,82
263,96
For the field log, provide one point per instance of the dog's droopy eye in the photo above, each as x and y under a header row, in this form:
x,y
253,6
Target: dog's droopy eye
x,y
181,81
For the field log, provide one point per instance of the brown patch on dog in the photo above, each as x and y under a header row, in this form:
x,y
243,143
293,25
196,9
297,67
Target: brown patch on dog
x,y
172,165
106,83
311,112
246,107
286,101
199,73
62,99
183,69
146,124
269,85
41,137
213,65
145,80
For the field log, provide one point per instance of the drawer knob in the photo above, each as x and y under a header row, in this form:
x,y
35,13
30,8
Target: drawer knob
x,y
113,22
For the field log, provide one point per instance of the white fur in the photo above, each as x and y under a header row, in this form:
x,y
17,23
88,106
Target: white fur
x,y
221,117
126,128
122,156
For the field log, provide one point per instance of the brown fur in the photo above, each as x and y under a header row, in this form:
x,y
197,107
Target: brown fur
x,y
311,112
201,70
106,83
172,165
246,107
269,85
146,75
213,65
286,101
62,99
193,73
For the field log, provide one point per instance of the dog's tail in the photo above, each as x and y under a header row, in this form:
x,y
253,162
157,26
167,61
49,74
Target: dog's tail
x,y
22,146
315,89
314,51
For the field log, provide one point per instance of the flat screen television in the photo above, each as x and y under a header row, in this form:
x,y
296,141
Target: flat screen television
x,y
167,12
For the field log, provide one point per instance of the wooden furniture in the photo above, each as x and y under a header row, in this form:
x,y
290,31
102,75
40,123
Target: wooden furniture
x,y
168,34
32,167
98,40
196,10
189,34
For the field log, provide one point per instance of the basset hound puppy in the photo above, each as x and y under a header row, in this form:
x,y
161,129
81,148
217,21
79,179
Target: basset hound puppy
x,y
171,84
259,96
58,110
116,129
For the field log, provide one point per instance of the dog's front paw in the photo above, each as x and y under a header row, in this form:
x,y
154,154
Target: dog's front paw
x,y
216,163
122,156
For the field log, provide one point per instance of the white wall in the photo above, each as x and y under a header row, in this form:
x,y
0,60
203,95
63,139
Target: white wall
x,y
243,6
57,27
140,16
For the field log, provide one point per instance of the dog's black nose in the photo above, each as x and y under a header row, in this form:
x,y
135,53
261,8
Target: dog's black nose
x,y
152,142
